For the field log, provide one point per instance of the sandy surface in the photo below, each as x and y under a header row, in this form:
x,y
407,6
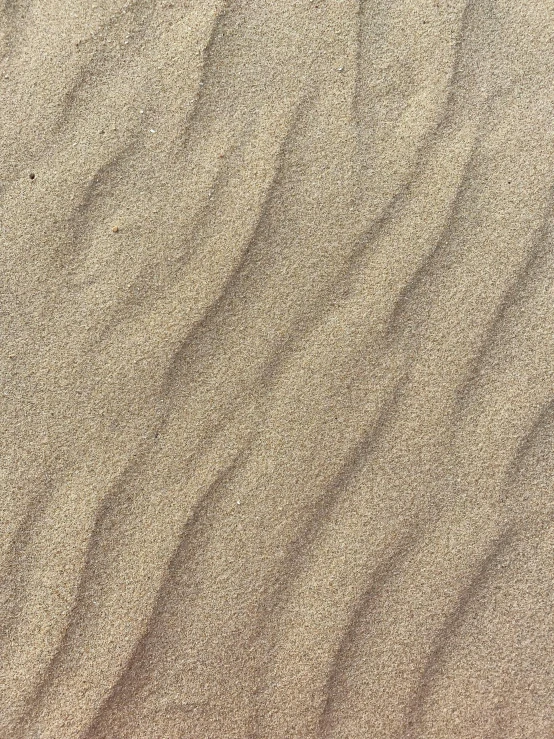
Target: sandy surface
x,y
277,366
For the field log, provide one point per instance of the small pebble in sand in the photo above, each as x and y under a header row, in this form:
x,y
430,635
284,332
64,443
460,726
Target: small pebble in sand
x,y
32,175
115,229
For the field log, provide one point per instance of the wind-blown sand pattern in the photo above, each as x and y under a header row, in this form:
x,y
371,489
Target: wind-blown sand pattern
x,y
277,369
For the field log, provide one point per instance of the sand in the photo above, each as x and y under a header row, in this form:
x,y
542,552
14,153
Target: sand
x,y
277,364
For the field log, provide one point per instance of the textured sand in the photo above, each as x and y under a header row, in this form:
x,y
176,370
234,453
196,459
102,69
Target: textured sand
x,y
277,365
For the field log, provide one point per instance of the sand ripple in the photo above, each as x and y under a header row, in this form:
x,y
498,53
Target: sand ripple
x,y
277,299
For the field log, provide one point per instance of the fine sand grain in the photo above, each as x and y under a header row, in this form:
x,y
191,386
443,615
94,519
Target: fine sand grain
x,y
277,367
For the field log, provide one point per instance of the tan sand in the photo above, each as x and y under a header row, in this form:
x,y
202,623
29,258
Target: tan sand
x,y
277,364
